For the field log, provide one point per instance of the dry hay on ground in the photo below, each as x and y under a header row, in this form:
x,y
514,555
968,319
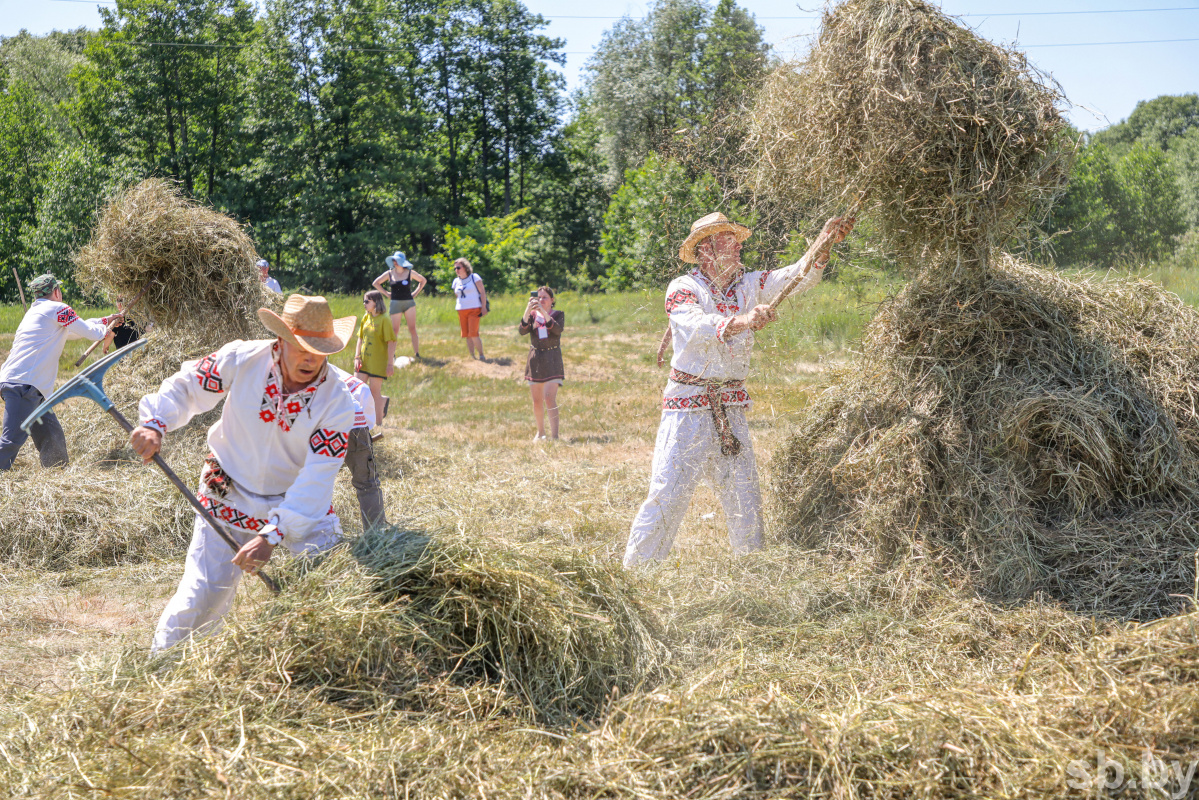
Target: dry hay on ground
x,y
328,693
954,140
395,627
196,264
82,516
1034,432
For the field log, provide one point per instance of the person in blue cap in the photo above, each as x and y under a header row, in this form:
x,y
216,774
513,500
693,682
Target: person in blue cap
x,y
406,284
264,268
28,375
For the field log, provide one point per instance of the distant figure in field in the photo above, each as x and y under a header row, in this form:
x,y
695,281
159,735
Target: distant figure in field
x,y
471,304
713,311
400,275
28,375
374,355
264,268
544,370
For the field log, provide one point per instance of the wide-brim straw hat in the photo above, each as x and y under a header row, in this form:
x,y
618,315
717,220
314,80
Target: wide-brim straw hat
x,y
397,260
706,226
307,322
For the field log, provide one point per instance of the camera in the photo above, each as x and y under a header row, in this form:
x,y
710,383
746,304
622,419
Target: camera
x,y
533,294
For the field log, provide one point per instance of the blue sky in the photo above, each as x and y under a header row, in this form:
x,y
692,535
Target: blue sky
x,y
1103,81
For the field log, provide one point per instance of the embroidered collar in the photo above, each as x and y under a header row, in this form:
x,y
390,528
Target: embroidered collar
x,y
282,408
716,291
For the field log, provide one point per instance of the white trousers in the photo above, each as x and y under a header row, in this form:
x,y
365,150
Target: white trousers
x,y
210,578
687,450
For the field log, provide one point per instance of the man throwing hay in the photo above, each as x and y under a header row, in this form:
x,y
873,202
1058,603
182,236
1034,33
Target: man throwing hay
x,y
276,451
714,311
31,368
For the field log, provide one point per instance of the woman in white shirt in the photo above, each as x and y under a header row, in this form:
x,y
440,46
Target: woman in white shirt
x,y
470,300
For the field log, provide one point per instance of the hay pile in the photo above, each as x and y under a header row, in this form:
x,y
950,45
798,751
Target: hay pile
x,y
1034,433
955,142
403,630
326,692
197,263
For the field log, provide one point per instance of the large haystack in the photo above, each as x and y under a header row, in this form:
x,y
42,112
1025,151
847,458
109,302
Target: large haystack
x,y
195,264
954,142
1035,432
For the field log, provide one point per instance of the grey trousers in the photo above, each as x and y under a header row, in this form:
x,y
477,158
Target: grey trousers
x,y
20,399
360,458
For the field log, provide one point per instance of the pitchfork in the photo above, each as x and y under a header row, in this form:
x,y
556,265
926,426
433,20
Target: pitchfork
x,y
90,384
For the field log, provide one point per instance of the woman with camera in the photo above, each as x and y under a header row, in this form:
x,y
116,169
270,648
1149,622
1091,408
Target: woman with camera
x,y
544,370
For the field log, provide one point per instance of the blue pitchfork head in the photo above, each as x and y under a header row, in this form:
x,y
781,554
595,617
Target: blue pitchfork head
x,y
89,383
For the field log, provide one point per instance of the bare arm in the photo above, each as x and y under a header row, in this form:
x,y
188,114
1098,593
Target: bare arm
x,y
421,280
378,284
482,297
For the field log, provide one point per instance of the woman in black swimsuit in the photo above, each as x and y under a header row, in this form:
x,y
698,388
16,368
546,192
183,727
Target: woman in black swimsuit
x,y
401,276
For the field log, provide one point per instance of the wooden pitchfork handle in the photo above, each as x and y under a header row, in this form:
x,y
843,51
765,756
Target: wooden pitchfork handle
x,y
111,327
20,291
817,246
206,513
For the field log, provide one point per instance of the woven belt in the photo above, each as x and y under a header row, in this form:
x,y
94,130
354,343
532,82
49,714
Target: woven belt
x,y
214,478
729,444
544,349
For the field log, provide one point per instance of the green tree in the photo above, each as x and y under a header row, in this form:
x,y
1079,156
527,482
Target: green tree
x,y
1184,158
1159,122
1148,206
649,218
498,249
162,87
1118,209
332,183
44,64
26,143
671,71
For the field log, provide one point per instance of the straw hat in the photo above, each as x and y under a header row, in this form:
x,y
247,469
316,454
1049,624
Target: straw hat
x,y
706,226
397,260
308,323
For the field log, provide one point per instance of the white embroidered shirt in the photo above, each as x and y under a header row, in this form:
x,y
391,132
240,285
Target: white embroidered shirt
x,y
364,414
39,340
269,443
699,314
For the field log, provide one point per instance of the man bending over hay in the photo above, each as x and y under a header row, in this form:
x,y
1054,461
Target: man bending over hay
x,y
276,450
703,432
31,369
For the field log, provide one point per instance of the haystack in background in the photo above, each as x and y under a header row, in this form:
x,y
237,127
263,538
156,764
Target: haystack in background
x,y
951,143
1034,432
195,263
202,290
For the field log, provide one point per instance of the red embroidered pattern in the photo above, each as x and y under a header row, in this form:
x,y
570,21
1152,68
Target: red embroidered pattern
x,y
67,316
208,375
680,297
727,308
156,424
720,329
293,406
326,442
231,515
762,279
701,400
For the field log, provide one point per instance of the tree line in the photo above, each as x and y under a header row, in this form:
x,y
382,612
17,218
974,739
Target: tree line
x,y
341,130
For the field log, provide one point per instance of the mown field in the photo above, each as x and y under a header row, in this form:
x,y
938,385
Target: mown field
x,y
782,674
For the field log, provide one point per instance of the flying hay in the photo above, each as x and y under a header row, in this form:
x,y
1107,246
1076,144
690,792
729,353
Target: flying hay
x,y
195,263
1035,432
950,142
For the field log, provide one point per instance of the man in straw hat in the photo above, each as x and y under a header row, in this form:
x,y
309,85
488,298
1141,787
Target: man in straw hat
x,y
713,311
31,369
282,437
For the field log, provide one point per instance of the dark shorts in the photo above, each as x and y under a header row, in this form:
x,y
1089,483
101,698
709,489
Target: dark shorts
x,y
400,306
